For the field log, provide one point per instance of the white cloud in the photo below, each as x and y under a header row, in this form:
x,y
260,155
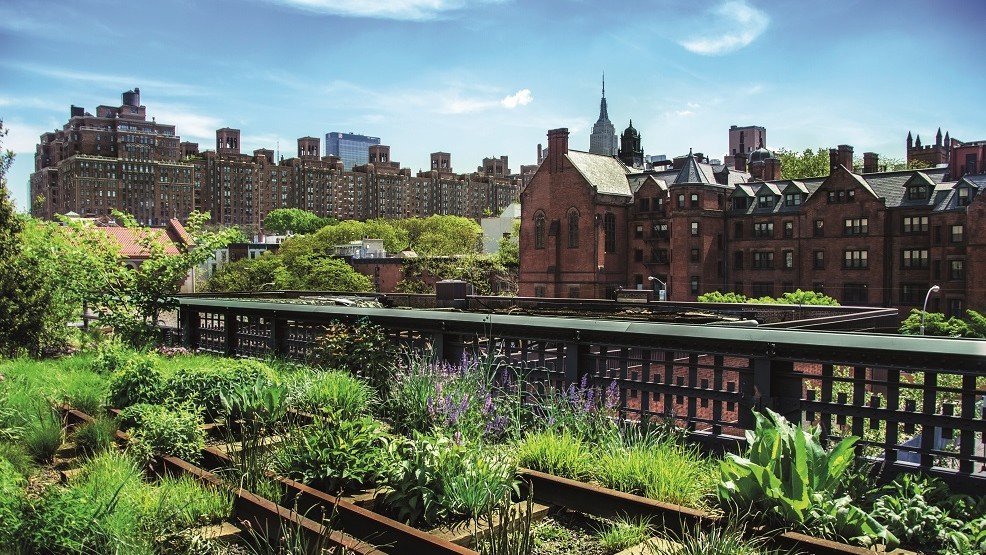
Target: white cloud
x,y
522,97
684,113
189,125
111,81
22,138
409,10
730,26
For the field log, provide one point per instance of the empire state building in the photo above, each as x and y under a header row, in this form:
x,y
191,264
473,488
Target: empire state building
x,y
603,137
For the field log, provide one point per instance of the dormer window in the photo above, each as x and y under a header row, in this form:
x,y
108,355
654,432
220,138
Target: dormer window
x,y
964,196
765,201
792,199
917,192
740,202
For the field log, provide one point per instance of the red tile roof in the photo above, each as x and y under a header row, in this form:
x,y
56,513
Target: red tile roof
x,y
131,240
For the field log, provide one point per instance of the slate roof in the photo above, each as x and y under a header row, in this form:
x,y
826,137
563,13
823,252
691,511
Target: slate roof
x,y
606,174
694,171
890,185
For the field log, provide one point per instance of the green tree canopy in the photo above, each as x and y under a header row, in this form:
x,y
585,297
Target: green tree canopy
x,y
935,323
795,297
810,163
266,272
295,220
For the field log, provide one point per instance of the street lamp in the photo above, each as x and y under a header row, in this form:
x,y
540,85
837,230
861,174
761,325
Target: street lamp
x,y
924,309
663,294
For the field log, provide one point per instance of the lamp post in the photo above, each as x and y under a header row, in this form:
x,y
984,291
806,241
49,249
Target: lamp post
x,y
924,309
662,295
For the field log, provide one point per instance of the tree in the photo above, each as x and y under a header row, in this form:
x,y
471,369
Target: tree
x,y
332,274
935,323
23,297
508,250
266,272
807,297
810,163
295,220
720,297
442,235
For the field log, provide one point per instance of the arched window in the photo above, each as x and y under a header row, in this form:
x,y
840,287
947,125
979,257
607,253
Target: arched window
x,y
539,230
609,228
573,229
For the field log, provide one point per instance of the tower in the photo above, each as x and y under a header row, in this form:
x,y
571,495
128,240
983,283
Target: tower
x,y
603,137
631,152
228,141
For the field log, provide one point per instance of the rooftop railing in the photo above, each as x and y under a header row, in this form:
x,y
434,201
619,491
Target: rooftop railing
x,y
917,402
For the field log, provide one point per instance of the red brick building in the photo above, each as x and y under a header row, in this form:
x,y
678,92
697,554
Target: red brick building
x,y
591,226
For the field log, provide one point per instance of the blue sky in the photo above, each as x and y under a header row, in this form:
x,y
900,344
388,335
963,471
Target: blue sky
x,y
489,77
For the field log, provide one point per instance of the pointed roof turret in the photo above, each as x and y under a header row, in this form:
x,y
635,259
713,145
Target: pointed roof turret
x,y
691,172
938,137
603,111
947,139
918,141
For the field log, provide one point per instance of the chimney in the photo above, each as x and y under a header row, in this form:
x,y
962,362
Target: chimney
x,y
772,169
557,148
740,161
539,154
871,162
845,156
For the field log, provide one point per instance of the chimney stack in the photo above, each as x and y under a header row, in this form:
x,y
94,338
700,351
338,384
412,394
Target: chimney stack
x,y
740,162
772,169
557,148
845,156
871,162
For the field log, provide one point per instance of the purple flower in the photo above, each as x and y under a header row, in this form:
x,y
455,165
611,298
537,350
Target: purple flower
x,y
487,405
612,395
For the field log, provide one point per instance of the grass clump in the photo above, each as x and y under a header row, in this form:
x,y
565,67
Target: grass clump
x,y
558,453
663,470
137,381
332,392
43,437
157,430
95,437
624,533
16,454
192,504
716,540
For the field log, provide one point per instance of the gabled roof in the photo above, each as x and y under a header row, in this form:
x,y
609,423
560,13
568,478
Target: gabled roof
x,y
791,186
694,171
131,240
606,174
638,180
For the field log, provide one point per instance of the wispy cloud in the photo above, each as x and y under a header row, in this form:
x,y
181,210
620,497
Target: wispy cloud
x,y
731,26
31,102
191,126
110,80
466,105
522,97
409,10
22,138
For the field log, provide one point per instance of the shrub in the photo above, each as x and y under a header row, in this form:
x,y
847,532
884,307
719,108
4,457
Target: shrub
x,y
341,454
362,349
11,503
558,453
203,386
665,471
43,438
913,509
95,437
110,357
332,392
157,430
138,381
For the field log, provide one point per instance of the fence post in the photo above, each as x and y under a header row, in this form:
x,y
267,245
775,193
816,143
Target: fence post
x,y
448,347
229,329
775,385
188,319
275,344
576,360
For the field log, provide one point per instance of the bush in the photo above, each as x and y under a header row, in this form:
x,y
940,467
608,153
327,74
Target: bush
x,y
362,349
43,438
95,437
11,503
203,386
111,356
558,453
332,392
157,430
340,454
138,381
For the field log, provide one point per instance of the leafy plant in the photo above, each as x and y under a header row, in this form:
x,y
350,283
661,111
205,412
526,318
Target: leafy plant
x,y
204,386
786,472
913,509
95,437
137,381
558,453
158,430
332,392
335,454
362,349
111,356
624,533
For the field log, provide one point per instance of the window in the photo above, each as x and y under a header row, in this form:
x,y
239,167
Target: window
x,y
609,228
917,192
963,196
695,200
741,203
638,255
856,260
638,281
856,226
681,201
915,224
819,228
956,270
738,230
638,232
818,287
539,232
659,256
694,229
913,258
912,293
855,294
792,199
765,201
645,205
954,308
694,285
763,260
763,229
818,260
574,291
957,233
573,229
762,289
788,230
694,255
660,231
738,260
788,260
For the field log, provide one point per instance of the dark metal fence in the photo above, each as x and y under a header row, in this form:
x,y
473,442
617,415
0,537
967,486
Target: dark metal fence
x,y
917,402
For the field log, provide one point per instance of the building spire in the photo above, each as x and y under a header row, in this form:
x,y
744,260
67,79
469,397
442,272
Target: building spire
x,y
604,84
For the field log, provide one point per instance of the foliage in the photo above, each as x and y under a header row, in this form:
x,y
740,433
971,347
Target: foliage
x,y
488,274
156,430
294,220
110,356
12,501
624,533
43,438
810,163
94,437
915,509
266,272
253,412
786,473
512,538
331,392
556,452
16,454
137,381
362,349
731,539
25,301
583,408
798,297
203,386
335,454
663,470
935,323
508,249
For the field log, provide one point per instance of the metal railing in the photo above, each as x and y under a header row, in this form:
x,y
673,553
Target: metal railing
x,y
917,402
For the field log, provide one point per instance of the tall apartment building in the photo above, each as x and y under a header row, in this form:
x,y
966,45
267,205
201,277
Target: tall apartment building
x,y
119,160
590,226
743,141
353,149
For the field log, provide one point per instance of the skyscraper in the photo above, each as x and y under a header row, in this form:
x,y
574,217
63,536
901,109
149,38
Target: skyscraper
x,y
603,137
353,149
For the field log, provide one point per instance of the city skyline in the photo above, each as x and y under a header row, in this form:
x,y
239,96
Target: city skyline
x,y
699,71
